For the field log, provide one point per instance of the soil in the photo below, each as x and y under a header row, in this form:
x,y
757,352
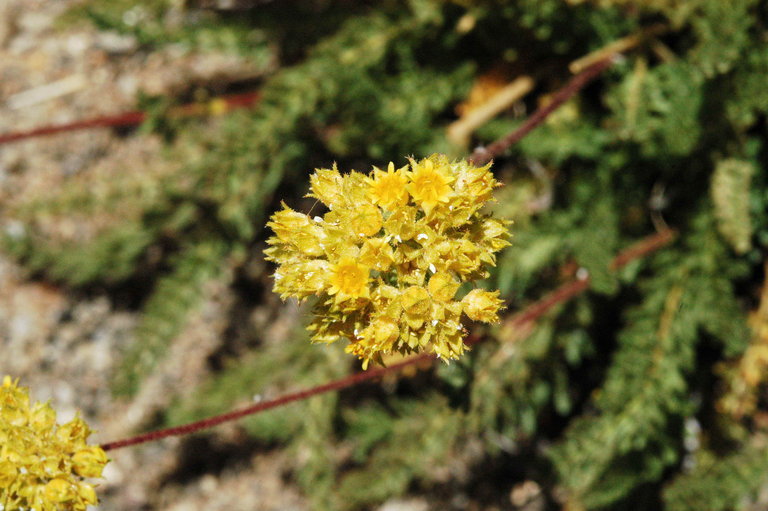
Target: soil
x,y
61,343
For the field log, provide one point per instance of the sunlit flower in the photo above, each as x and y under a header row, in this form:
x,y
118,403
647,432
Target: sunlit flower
x,y
442,287
388,189
481,305
430,185
349,279
365,220
377,254
388,257
417,306
42,464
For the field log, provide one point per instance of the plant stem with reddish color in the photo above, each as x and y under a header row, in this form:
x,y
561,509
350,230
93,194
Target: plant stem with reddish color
x,y
130,118
528,315
483,155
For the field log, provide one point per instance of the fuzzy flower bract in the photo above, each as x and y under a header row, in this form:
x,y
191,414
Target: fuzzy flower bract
x,y
43,464
388,258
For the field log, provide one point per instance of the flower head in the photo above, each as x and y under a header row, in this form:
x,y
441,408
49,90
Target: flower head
x,y
430,185
388,258
42,464
480,305
348,279
388,189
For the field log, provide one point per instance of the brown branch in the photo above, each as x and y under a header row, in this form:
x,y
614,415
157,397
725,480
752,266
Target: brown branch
x,y
577,286
537,309
136,117
483,155
618,46
347,381
519,320
643,247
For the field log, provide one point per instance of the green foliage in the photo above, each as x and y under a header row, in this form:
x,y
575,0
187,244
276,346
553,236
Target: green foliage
x,y
419,436
723,31
645,387
176,294
595,240
746,98
721,483
730,195
660,109
155,23
111,256
591,402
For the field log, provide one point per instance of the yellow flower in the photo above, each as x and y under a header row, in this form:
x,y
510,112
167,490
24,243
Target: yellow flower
x,y
388,257
429,185
442,286
365,220
377,254
401,224
42,464
480,305
326,186
417,306
388,189
89,461
349,279
297,233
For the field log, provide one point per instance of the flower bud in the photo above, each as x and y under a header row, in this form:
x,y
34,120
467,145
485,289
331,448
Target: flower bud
x,y
442,287
481,305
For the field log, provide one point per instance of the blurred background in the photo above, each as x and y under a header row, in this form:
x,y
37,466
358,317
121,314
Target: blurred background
x,y
133,286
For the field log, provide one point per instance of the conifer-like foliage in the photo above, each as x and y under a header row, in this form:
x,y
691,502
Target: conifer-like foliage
x,y
644,392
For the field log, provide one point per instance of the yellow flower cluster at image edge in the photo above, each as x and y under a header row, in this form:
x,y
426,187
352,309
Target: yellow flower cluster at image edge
x,y
388,257
42,464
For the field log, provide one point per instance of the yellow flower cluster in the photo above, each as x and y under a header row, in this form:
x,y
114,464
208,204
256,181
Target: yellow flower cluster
x,y
388,257
42,464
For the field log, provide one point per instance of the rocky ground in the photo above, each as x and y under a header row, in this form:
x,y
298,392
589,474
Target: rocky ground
x,y
61,343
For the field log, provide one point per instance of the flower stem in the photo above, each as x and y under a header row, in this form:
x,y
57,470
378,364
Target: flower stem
x,y
530,314
342,383
483,155
134,118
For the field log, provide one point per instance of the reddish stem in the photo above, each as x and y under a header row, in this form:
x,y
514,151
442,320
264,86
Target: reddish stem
x,y
124,119
129,118
347,381
483,155
529,314
643,247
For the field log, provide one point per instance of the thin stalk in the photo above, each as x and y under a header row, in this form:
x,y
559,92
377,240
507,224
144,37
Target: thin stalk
x,y
214,106
483,155
530,314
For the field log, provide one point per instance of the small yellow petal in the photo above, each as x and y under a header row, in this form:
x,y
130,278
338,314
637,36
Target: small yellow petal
x,y
442,286
416,304
365,220
388,189
429,185
89,461
58,491
349,279
87,494
481,305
